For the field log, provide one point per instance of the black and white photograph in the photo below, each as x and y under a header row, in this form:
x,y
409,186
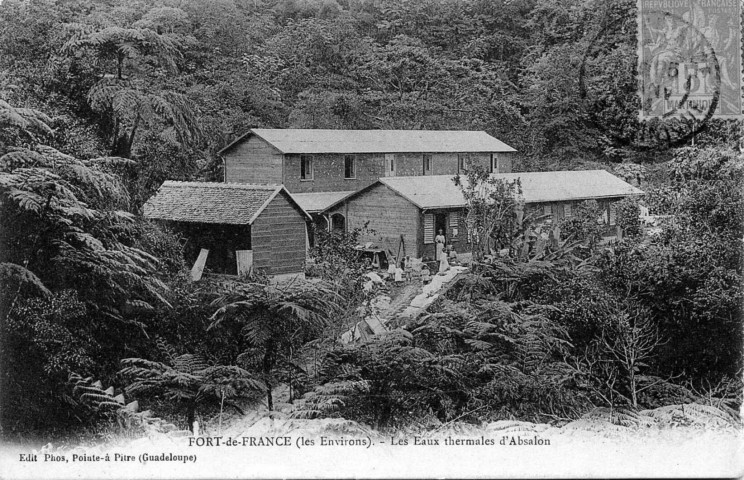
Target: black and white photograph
x,y
371,239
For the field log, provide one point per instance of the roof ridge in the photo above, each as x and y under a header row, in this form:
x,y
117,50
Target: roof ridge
x,y
363,130
226,185
464,175
323,192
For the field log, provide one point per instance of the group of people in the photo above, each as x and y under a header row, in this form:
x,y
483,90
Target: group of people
x,y
397,271
445,255
402,271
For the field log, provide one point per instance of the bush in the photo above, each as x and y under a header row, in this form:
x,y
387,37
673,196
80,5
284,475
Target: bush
x,y
628,216
42,341
583,225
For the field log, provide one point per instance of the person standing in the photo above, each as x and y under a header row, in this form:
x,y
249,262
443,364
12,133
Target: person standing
x,y
408,268
399,275
443,263
439,244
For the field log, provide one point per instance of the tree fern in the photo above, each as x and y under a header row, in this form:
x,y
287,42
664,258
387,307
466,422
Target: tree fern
x,y
133,107
274,320
189,381
692,414
70,212
27,120
15,278
118,44
89,395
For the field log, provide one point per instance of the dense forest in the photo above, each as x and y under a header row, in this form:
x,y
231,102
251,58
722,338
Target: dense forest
x,y
103,100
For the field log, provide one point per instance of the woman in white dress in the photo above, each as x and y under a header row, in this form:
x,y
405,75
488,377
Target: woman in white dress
x,y
439,244
443,263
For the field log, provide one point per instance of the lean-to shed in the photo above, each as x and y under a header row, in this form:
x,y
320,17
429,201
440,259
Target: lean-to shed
x,y
243,227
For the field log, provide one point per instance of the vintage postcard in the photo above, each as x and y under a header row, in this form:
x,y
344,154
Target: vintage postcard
x,y
371,239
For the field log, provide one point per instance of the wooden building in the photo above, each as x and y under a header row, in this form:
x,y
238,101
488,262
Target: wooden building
x,y
243,227
313,161
412,210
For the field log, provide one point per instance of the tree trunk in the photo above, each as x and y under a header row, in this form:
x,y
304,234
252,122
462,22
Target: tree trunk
x,y
130,139
385,414
268,364
222,406
119,64
191,416
269,396
115,136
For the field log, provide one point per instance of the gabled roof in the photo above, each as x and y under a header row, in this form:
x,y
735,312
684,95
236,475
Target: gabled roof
x,y
319,201
439,191
205,202
292,140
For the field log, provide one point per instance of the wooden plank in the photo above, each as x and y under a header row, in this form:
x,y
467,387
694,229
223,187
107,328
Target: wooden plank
x,y
268,239
280,220
244,259
198,269
281,230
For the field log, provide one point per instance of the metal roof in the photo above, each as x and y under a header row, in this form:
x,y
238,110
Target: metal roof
x,y
204,202
439,191
292,140
319,201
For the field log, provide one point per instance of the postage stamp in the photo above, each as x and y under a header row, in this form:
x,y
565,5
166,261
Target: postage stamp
x,y
690,59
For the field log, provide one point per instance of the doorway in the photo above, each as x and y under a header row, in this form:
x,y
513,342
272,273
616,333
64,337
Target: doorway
x,y
338,223
440,223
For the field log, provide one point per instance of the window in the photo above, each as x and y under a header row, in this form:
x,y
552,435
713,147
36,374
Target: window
x,y
603,218
390,164
460,162
454,219
454,223
567,211
428,228
349,166
613,213
306,167
493,163
548,209
427,164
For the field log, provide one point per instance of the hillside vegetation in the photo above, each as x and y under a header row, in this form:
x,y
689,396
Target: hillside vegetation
x,y
102,100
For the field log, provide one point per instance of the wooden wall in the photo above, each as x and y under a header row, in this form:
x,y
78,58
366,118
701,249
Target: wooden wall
x,y
388,214
407,164
328,173
328,169
279,238
253,161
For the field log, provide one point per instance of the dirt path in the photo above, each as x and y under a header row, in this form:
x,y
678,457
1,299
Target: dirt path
x,y
401,301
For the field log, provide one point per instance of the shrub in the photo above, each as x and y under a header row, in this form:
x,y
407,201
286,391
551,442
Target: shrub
x,y
628,216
